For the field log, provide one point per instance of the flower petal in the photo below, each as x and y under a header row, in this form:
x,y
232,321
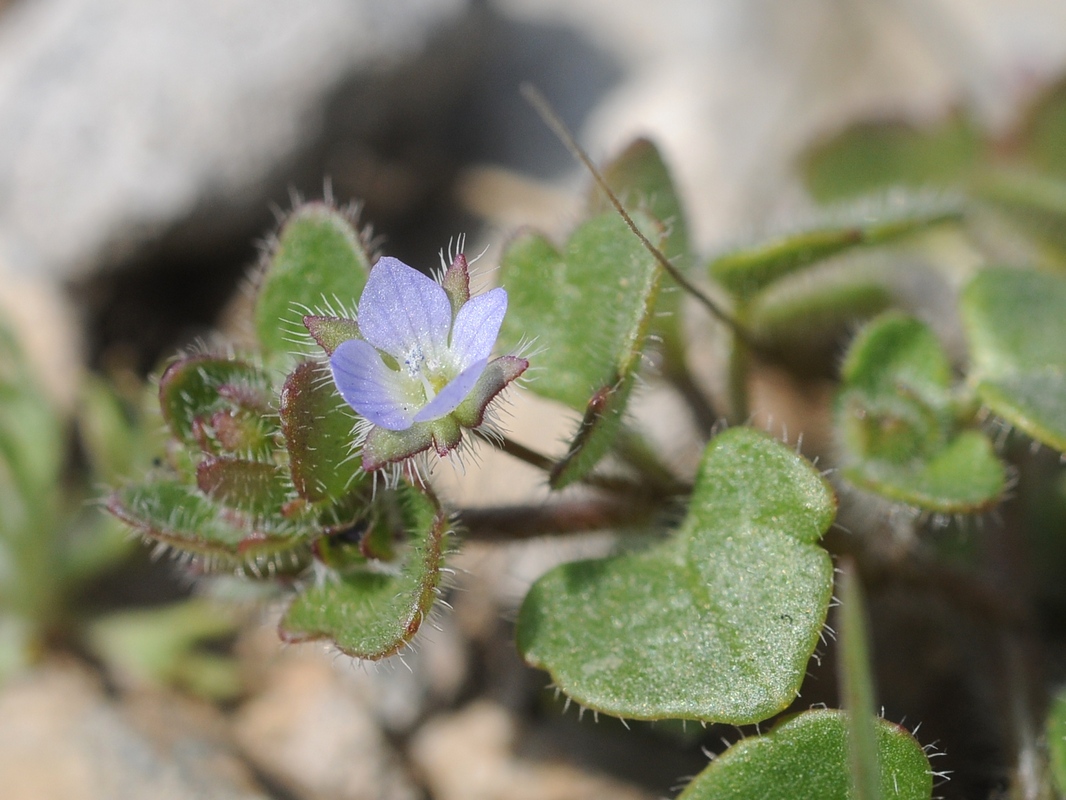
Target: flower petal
x,y
382,395
401,309
452,394
476,327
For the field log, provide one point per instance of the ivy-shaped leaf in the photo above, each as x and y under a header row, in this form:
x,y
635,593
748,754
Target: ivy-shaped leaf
x,y
896,423
716,623
1015,321
318,261
589,309
370,612
747,270
805,758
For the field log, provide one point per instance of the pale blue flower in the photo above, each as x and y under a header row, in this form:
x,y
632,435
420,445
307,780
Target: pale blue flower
x,y
420,368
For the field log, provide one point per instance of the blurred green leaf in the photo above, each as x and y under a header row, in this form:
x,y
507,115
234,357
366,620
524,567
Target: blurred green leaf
x,y
896,423
319,262
162,646
871,156
369,612
747,270
715,624
805,758
1035,204
1043,134
1015,321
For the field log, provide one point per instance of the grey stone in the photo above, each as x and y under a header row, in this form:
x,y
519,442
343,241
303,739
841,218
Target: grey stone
x,y
120,118
312,734
62,739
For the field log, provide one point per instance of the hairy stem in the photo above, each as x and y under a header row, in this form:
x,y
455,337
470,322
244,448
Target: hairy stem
x,y
511,523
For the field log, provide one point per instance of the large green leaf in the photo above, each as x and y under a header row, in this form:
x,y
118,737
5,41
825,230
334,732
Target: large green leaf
x,y
872,156
589,310
748,269
805,758
718,622
319,263
1015,321
896,423
369,612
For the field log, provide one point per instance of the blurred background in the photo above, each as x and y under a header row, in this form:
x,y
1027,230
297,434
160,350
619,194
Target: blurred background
x,y
146,152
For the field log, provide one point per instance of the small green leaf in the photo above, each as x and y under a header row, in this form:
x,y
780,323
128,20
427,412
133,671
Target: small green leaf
x,y
254,487
747,270
642,181
319,430
1056,741
595,435
1015,321
193,388
716,623
805,758
590,312
373,613
896,423
869,157
319,260
176,515
331,332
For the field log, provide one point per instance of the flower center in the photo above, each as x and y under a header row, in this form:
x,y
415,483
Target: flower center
x,y
429,372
